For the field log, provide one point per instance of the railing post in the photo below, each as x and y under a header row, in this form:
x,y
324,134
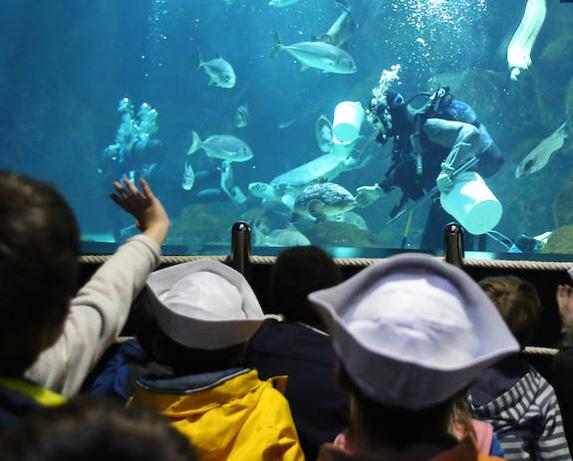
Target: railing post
x,y
454,244
241,248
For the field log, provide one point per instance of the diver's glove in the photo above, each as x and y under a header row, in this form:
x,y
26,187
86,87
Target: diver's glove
x,y
366,195
444,181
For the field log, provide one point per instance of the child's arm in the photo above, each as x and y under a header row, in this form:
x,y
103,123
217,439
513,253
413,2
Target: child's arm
x,y
100,309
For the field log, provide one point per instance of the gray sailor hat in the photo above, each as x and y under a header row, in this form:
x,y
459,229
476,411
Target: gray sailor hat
x,y
204,304
412,331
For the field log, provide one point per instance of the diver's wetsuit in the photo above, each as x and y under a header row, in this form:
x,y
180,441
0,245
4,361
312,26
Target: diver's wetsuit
x,y
452,128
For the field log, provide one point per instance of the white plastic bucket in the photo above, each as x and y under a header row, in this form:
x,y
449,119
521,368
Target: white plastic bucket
x,y
341,148
472,203
348,118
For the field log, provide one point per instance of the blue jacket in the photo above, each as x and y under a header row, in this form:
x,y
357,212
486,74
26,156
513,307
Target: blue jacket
x,y
319,408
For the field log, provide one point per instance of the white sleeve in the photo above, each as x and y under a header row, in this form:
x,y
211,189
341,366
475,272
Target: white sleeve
x,y
97,315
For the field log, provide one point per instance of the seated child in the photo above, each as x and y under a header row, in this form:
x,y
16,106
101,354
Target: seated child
x,y
205,313
43,327
512,394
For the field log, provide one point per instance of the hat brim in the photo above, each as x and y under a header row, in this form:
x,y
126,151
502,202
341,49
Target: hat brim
x,y
198,333
387,377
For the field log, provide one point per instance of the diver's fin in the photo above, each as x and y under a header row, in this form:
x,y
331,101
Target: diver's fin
x,y
196,144
327,39
200,60
278,45
315,209
344,5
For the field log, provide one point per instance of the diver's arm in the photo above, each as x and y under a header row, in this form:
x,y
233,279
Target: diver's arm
x,y
463,140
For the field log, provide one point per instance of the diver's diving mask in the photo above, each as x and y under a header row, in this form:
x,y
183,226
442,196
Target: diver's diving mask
x,y
379,117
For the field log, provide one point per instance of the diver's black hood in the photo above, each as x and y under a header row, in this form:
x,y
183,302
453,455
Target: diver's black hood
x,y
402,120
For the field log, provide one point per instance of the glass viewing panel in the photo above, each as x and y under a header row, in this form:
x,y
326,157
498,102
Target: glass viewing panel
x,y
364,124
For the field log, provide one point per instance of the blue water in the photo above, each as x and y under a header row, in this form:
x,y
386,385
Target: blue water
x,y
64,67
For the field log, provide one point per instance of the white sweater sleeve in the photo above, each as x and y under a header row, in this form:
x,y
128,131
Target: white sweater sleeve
x,y
97,315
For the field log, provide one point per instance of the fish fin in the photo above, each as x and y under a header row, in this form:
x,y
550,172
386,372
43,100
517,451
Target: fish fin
x,y
304,67
314,209
344,5
212,82
200,60
278,45
327,39
195,145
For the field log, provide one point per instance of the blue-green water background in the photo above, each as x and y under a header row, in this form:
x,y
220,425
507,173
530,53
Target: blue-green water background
x,y
65,64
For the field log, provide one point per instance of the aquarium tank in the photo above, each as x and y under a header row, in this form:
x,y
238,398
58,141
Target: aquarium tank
x,y
358,124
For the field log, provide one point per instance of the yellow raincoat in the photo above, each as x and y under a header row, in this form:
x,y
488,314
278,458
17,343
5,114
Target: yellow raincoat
x,y
239,418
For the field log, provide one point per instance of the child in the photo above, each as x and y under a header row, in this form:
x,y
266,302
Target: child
x,y
205,313
513,395
43,327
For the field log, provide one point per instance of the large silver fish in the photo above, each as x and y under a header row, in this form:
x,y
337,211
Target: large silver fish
x,y
222,146
342,29
220,71
318,55
542,153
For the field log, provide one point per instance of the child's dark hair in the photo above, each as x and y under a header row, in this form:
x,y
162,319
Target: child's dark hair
x,y
39,250
95,429
297,272
518,303
394,426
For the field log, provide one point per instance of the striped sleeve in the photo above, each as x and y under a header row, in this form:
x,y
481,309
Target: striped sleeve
x,y
551,444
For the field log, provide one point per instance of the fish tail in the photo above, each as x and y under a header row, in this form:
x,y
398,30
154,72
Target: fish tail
x,y
200,60
278,45
344,5
196,144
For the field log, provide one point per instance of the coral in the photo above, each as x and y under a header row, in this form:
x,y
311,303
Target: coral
x,y
560,241
340,234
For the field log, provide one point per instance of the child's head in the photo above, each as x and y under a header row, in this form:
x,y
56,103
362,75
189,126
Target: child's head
x,y
518,303
298,272
204,314
39,250
95,429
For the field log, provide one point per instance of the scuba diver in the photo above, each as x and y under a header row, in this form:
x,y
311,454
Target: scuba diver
x,y
430,144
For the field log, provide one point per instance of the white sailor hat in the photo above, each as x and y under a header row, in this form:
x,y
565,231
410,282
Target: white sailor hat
x,y
204,305
412,331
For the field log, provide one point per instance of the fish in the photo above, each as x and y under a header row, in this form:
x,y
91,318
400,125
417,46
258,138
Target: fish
x,y
222,146
242,116
539,157
220,71
323,134
285,125
322,200
342,29
188,177
318,55
519,49
282,3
